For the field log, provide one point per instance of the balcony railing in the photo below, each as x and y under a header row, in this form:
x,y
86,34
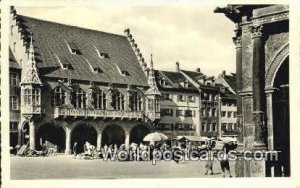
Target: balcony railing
x,y
95,113
30,110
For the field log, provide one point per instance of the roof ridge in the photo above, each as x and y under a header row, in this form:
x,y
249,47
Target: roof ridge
x,y
73,26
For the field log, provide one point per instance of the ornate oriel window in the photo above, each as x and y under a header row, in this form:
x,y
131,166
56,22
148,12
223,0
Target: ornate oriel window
x,y
79,98
135,102
32,97
117,101
58,96
99,100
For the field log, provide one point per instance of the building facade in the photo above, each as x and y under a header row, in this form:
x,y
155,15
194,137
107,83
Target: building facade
x,y
228,119
69,84
262,68
189,104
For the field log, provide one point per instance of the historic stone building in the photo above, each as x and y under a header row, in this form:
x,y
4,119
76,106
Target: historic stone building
x,y
70,84
262,68
228,112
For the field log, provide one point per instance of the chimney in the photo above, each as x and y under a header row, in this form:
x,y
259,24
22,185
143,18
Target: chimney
x,y
224,73
177,66
127,32
198,70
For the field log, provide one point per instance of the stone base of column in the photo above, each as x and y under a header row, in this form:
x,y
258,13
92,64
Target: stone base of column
x,y
68,152
260,130
252,168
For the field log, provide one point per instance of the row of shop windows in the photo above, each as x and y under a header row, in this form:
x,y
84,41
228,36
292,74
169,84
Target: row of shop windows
x,y
209,127
180,98
174,127
208,112
228,114
229,126
98,99
184,113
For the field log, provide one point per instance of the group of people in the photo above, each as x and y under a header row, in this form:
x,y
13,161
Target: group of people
x,y
91,151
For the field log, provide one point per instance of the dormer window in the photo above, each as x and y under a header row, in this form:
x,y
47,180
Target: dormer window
x,y
162,82
104,55
73,48
186,84
122,70
97,70
65,64
125,73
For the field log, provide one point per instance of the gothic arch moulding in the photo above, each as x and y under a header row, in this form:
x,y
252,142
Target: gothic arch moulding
x,y
277,60
52,123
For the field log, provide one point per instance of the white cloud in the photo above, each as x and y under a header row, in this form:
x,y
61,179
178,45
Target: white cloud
x,y
193,35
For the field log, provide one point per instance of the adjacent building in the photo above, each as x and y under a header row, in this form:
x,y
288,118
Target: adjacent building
x,y
228,106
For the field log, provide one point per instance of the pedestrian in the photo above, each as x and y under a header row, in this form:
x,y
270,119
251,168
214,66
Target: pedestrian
x,y
209,161
75,149
224,161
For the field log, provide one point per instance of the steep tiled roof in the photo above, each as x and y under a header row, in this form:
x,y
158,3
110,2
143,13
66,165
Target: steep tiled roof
x,y
174,80
100,50
231,80
12,61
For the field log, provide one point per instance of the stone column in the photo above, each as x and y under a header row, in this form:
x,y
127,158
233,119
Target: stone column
x,y
269,109
258,86
127,136
99,139
239,83
68,141
31,134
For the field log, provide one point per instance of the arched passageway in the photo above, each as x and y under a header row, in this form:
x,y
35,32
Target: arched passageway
x,y
83,133
51,134
138,133
281,120
24,137
113,134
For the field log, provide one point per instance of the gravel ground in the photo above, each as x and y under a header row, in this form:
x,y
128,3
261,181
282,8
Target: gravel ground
x,y
66,167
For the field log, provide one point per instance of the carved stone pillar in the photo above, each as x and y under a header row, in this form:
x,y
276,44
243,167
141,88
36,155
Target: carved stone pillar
x,y
269,110
99,139
31,134
127,136
258,86
68,141
239,71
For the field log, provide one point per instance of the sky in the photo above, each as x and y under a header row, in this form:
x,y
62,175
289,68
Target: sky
x,y
192,35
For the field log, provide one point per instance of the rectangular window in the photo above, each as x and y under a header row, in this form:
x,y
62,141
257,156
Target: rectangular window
x,y
179,113
13,80
203,127
202,111
213,112
234,114
230,126
207,113
13,126
224,126
167,112
223,113
214,127
188,113
229,114
180,98
14,105
167,96
191,98
208,127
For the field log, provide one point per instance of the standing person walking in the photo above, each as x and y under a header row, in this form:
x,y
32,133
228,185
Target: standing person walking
x,y
75,149
209,161
224,161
